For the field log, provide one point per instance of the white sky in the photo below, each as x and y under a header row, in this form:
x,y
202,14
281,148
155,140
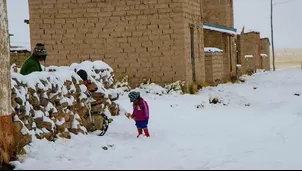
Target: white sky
x,y
253,14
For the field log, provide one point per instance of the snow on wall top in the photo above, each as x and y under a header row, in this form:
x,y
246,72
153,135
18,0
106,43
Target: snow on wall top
x,y
248,56
95,70
64,73
18,49
263,55
212,49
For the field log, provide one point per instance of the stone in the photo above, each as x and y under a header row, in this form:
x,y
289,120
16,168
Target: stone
x,y
64,135
44,101
22,140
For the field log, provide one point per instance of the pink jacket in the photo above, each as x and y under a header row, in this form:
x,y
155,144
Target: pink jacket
x,y
141,111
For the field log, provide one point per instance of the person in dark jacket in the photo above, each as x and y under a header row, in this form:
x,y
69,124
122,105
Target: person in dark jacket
x,y
32,63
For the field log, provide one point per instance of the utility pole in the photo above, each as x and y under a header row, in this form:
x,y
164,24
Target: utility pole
x,y
272,36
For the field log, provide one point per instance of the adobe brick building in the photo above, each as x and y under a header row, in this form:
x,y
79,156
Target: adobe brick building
x,y
219,12
18,56
265,53
222,38
249,49
162,40
6,130
213,66
219,32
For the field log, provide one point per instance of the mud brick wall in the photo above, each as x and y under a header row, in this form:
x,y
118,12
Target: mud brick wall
x,y
192,12
240,56
18,58
265,49
219,12
214,66
227,44
250,44
238,70
6,130
139,38
265,63
250,64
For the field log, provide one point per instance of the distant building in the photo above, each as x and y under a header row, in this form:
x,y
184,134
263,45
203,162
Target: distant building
x,y
219,32
265,54
249,51
18,54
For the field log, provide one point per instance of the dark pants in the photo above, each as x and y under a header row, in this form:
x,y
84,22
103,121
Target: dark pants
x,y
142,124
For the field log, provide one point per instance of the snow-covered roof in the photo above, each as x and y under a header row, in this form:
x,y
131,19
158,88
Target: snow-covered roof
x,y
212,49
220,28
252,31
19,49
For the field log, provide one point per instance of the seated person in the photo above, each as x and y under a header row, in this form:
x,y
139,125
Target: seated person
x,y
32,63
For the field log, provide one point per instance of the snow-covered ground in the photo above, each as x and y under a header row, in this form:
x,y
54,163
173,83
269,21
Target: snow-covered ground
x,y
259,127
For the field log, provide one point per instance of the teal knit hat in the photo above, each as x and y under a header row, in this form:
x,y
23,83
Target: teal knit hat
x,y
134,96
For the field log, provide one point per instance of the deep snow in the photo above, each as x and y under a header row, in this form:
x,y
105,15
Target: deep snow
x,y
259,127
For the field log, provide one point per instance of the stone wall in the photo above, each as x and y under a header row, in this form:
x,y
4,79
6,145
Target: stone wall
x,y
214,66
265,49
219,12
6,134
18,57
55,103
140,38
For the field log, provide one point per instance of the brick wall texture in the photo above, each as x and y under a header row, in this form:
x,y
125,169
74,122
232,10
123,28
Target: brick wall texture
x,y
6,136
265,49
18,58
140,38
250,64
219,12
227,44
193,16
214,66
249,44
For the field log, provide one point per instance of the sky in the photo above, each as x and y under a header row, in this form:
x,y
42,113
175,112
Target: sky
x,y
253,14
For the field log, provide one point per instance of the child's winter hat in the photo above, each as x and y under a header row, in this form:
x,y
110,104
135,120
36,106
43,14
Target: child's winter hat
x,y
134,96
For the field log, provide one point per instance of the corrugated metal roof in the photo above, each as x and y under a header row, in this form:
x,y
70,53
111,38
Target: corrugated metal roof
x,y
219,28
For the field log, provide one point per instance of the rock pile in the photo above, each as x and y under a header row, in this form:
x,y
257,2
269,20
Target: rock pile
x,y
55,103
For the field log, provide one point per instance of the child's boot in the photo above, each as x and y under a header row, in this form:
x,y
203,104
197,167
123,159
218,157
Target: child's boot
x,y
140,132
146,132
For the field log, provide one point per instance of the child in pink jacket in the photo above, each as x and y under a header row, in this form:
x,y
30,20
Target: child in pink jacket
x,y
140,113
